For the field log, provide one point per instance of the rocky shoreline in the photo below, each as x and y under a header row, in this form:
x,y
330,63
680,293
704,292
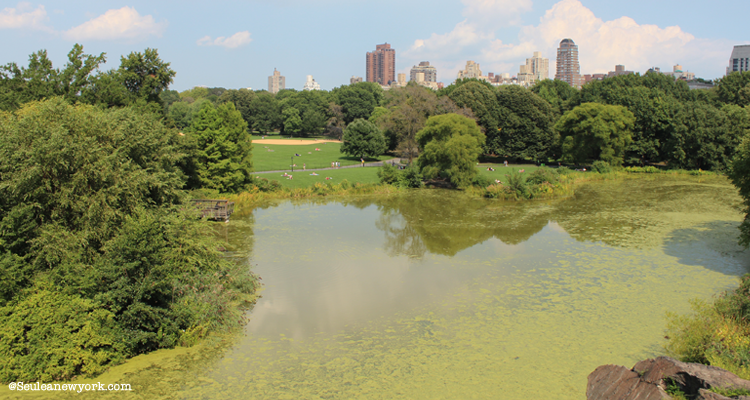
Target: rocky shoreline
x,y
652,379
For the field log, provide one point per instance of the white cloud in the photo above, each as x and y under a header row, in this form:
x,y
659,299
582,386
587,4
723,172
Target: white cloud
x,y
124,23
23,16
234,41
602,44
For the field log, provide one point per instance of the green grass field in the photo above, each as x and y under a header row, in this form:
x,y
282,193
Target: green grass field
x,y
369,175
269,157
304,179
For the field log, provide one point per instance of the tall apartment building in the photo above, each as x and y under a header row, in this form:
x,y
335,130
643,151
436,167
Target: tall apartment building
x,y
276,82
568,69
430,73
740,59
538,67
310,84
472,71
381,65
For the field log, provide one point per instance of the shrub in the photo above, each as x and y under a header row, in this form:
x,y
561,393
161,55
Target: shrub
x,y
543,175
345,184
52,336
601,167
518,185
388,174
496,191
481,181
410,177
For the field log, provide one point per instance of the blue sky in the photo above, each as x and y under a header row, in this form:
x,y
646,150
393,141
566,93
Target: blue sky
x,y
238,44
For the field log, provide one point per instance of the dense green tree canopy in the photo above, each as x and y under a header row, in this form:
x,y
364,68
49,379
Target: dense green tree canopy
x,y
705,136
363,139
482,101
451,144
356,102
242,100
559,94
739,173
595,131
100,258
145,75
735,88
266,112
525,126
40,80
407,111
224,148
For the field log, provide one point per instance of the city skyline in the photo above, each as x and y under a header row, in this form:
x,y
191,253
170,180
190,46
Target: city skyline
x,y
239,46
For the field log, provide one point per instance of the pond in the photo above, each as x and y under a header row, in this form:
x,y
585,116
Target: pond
x,y
432,295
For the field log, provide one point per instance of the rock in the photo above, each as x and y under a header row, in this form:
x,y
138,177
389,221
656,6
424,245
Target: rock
x,y
614,382
689,376
649,378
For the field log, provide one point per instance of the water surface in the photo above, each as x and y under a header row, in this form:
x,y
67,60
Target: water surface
x,y
431,295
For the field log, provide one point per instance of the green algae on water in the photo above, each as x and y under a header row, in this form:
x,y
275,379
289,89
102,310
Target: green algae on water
x,y
432,295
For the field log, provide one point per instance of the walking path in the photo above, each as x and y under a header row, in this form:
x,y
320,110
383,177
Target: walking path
x,y
370,164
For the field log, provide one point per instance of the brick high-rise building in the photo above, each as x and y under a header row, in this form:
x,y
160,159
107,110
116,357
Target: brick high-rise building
x,y
568,69
381,65
276,82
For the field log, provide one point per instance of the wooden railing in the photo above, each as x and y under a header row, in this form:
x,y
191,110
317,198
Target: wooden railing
x,y
219,210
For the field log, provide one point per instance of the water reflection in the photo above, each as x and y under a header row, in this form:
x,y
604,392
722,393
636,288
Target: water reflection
x,y
633,214
430,294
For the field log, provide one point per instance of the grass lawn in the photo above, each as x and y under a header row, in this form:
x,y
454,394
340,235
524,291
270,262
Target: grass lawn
x,y
269,157
303,179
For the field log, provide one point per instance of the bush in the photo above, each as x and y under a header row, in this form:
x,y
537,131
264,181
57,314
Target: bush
x,y
518,185
481,181
52,336
388,174
543,175
345,184
601,167
410,177
264,185
717,334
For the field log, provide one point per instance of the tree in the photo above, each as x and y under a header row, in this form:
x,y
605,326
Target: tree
x,y
735,88
335,124
558,93
266,112
356,102
408,109
482,102
363,139
706,137
224,148
242,100
595,131
292,121
525,128
739,173
451,144
41,81
145,75
97,241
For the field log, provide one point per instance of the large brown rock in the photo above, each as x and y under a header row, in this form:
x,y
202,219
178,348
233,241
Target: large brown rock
x,y
614,382
648,379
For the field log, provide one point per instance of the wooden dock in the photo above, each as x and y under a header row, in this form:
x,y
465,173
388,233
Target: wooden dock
x,y
217,210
